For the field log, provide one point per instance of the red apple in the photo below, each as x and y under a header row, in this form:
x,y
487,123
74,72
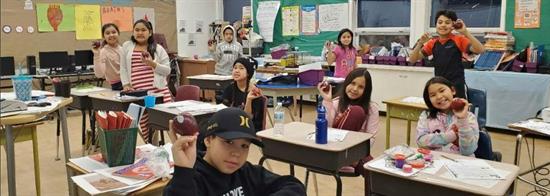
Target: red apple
x,y
457,105
457,25
256,91
325,86
145,54
185,124
96,44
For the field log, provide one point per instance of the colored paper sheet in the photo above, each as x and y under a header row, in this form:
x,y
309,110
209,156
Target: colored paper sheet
x,y
87,22
55,17
120,16
291,20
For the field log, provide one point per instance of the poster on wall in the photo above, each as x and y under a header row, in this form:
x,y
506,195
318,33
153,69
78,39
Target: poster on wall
x,y
309,23
182,26
145,13
333,17
247,14
120,16
527,14
291,20
266,14
87,22
55,17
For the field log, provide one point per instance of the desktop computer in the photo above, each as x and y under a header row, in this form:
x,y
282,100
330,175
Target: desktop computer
x,y
7,64
53,60
83,58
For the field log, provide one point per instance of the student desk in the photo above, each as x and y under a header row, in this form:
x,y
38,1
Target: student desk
x,y
386,183
521,132
210,82
154,188
295,149
82,102
281,90
10,121
109,101
396,108
160,115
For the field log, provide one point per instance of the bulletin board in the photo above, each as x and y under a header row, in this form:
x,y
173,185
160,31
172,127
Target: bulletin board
x,y
524,36
20,45
311,43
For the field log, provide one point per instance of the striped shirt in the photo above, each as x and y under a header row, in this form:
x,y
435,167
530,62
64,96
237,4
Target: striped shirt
x,y
142,79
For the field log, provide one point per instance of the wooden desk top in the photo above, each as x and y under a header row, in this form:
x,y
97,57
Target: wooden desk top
x,y
26,118
437,179
296,133
155,186
398,102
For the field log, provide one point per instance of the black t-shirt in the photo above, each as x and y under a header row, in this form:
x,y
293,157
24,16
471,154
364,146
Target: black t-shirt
x,y
234,97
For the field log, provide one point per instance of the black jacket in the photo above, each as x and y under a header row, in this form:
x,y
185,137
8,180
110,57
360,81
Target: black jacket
x,y
249,180
233,97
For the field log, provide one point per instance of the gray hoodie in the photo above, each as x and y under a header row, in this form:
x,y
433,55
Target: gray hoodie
x,y
226,54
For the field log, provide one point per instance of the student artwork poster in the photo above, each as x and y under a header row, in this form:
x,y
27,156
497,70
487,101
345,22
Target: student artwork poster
x,y
55,17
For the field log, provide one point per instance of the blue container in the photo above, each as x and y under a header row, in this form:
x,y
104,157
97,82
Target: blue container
x,y
22,85
321,124
150,101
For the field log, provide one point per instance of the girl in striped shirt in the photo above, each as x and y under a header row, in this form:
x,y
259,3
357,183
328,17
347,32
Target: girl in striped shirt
x,y
144,65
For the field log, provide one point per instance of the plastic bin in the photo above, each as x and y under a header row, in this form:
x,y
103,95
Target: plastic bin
x,y
118,147
311,77
22,85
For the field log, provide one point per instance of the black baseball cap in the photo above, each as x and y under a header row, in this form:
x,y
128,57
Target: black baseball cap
x,y
232,123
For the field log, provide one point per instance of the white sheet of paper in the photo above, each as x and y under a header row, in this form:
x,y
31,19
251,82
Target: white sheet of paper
x,y
266,14
473,169
333,135
539,126
333,17
381,164
418,100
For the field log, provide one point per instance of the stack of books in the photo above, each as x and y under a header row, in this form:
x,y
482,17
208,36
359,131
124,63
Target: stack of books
x,y
113,120
499,41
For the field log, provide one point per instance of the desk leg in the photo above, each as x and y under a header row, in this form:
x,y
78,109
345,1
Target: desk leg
x,y
338,185
66,146
409,132
517,158
301,102
83,111
10,155
388,117
43,84
92,127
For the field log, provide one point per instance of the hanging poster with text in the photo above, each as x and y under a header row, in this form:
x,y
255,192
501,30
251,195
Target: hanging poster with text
x,y
54,17
120,16
291,20
87,22
145,13
527,14
309,24
333,17
267,12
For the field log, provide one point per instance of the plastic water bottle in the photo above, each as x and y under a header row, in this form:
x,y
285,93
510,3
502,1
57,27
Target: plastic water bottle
x,y
321,124
279,113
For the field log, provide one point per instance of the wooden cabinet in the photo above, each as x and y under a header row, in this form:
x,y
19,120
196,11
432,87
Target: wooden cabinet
x,y
390,81
192,67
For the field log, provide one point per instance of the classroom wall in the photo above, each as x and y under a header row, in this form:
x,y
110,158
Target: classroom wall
x,y
233,9
20,45
524,36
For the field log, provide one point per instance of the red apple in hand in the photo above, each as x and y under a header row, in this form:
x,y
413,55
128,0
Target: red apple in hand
x,y
145,54
325,87
457,105
457,25
185,124
96,44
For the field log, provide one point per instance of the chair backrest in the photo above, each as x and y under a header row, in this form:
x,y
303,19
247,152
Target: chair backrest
x,y
478,99
161,40
188,92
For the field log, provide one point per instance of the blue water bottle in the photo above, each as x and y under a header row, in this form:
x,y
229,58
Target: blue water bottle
x,y
321,125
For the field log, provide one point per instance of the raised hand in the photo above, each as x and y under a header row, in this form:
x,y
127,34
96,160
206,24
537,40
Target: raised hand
x,y
184,148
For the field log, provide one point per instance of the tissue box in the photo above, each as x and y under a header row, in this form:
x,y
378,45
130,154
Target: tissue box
x,y
311,77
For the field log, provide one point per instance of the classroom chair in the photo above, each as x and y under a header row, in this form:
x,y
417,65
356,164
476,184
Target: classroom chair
x,y
478,99
188,92
23,133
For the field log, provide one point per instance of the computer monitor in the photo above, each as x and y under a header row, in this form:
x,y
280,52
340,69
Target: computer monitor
x,y
7,63
83,58
55,59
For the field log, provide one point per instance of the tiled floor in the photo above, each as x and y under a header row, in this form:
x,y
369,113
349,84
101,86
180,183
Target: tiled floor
x,y
54,180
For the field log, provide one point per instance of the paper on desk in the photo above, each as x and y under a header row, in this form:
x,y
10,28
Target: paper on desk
x,y
204,108
211,77
87,90
180,104
483,183
94,183
435,166
310,66
88,163
381,164
334,80
34,93
472,169
333,135
418,100
539,126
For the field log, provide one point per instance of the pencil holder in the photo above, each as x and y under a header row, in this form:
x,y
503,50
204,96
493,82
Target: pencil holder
x,y
118,147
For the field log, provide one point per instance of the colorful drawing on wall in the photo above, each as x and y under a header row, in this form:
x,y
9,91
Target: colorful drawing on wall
x,y
120,16
88,22
527,14
55,17
145,13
